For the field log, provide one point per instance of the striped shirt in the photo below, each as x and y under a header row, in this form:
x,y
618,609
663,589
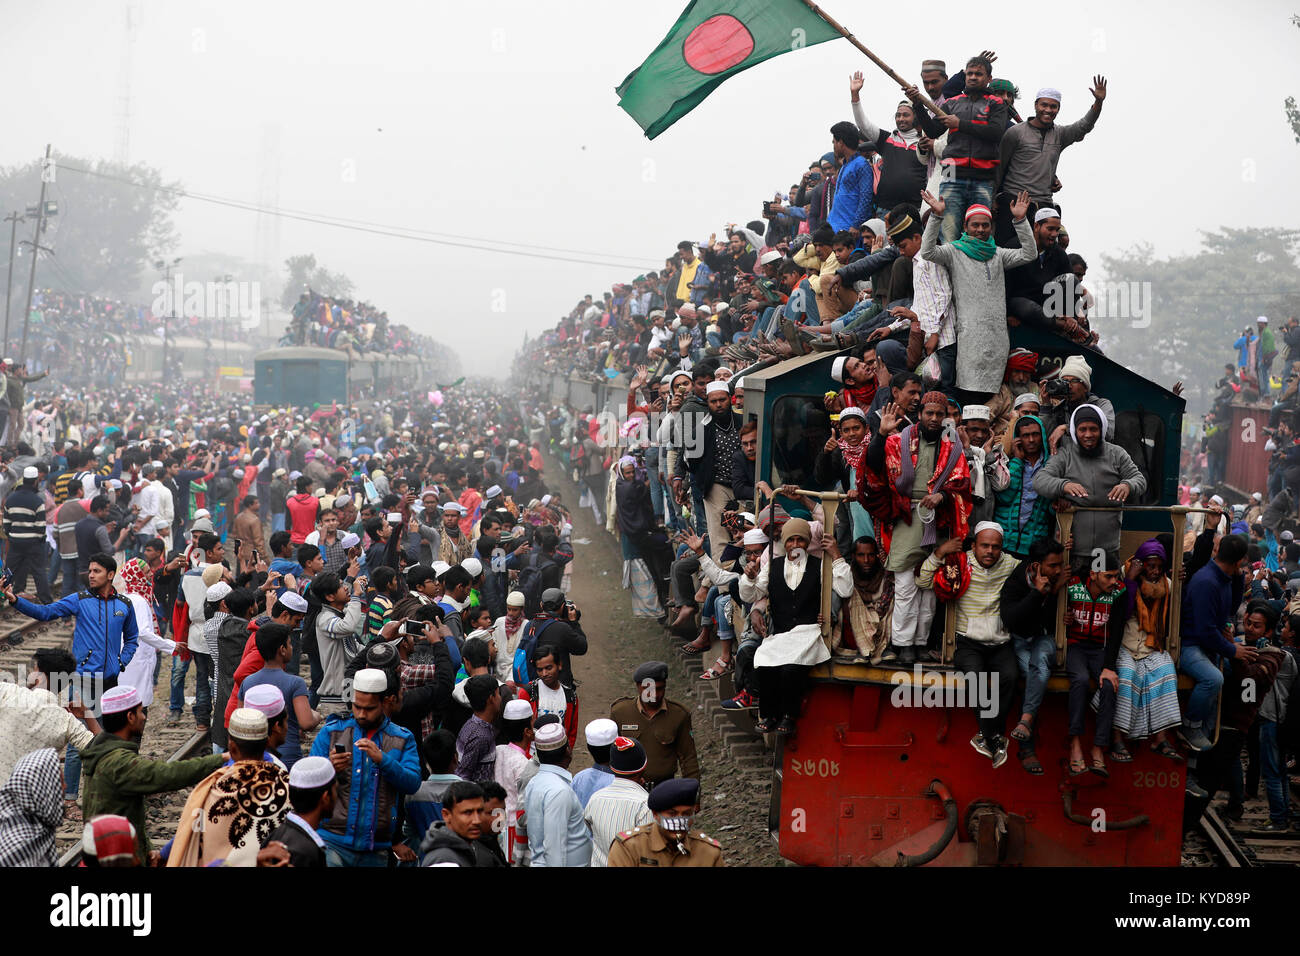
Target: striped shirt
x,y
379,613
612,810
24,515
932,300
979,609
61,487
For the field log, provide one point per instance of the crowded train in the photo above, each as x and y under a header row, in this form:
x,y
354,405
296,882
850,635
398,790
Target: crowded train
x,y
868,442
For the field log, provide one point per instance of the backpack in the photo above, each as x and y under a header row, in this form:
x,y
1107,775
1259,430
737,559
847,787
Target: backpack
x,y
530,584
524,671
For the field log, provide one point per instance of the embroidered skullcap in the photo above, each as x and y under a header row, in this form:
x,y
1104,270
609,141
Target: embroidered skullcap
x,y
551,737
294,602
311,773
265,698
853,412
1024,399
934,398
218,592
516,599
1047,212
117,699
989,526
370,681
715,387
837,367
1048,93
973,413
350,540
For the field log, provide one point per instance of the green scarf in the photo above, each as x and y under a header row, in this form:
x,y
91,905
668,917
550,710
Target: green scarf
x,y
981,250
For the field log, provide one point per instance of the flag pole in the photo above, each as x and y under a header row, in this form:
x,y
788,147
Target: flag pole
x,y
871,56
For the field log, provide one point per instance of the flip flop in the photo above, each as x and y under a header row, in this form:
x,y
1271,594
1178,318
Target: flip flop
x,y
1120,754
1077,767
694,647
1099,767
1165,749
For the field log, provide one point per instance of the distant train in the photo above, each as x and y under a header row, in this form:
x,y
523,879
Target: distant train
x,y
308,375
200,359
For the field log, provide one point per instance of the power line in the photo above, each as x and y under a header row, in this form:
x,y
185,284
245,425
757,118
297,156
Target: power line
x,y
396,232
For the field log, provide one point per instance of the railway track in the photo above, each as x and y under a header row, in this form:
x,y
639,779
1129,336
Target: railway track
x,y
1221,841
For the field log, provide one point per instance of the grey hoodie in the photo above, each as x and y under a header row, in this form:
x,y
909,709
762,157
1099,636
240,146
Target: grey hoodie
x,y
1092,530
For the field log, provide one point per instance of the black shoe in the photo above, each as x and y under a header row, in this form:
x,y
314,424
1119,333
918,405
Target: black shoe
x,y
1231,812
786,727
907,655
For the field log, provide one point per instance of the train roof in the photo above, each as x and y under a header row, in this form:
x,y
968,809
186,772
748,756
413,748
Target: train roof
x,y
301,352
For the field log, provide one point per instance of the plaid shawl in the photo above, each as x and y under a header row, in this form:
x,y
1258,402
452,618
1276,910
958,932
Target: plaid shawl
x,y
31,809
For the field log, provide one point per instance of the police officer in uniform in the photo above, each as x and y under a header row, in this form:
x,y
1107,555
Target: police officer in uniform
x,y
669,841
662,726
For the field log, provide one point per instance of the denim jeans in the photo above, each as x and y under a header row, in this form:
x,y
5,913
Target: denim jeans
x,y
277,522
71,773
1200,667
1273,764
203,688
707,612
959,195
337,856
70,582
1034,655
179,669
726,631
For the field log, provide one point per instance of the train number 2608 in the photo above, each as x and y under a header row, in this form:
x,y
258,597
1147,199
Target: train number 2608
x,y
815,768
1152,778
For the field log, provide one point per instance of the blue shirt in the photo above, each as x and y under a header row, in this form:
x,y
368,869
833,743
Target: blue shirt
x,y
586,782
290,686
853,192
283,566
557,832
1209,604
400,770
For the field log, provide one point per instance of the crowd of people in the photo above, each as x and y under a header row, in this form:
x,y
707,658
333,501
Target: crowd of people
x,y
336,323
383,645
912,251
417,585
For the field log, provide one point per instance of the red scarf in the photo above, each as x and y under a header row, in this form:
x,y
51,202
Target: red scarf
x,y
953,514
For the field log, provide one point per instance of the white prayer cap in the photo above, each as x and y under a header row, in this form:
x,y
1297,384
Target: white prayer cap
x,y
517,709
310,773
480,454
350,540
767,258
341,501
853,412
739,383
837,368
1024,399
117,699
546,500
247,724
492,492
516,599
1262,320
473,565
1047,212
265,698
601,732
1288,536
974,413
704,310
988,526
551,737
1257,496
755,536
715,387
30,472
294,602
370,681
218,592
279,473
749,516
1195,491
1217,500
1048,93
451,506
113,483
440,568
202,513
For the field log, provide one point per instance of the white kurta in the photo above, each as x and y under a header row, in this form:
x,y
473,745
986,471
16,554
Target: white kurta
x,y
803,643
139,670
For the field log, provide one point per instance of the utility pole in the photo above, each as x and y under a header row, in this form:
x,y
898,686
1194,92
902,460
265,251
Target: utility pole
x,y
166,269
14,218
46,175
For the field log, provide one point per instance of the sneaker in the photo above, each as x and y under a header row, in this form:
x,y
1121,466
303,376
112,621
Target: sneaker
x,y
907,655
1000,753
1193,789
980,746
173,719
742,701
889,656
1272,826
1194,738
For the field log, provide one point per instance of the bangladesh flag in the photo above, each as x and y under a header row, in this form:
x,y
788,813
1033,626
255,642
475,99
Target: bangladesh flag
x,y
712,40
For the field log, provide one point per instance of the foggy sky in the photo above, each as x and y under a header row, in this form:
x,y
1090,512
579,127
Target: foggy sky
x,y
499,121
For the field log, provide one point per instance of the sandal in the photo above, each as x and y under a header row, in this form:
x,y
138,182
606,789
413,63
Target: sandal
x,y
695,647
765,725
719,668
1099,767
1024,730
1077,767
1165,749
1120,754
1031,763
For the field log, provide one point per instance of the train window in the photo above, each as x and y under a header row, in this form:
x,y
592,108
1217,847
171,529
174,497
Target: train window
x,y
1142,435
800,428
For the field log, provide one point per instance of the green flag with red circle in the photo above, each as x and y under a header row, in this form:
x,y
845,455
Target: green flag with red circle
x,y
712,40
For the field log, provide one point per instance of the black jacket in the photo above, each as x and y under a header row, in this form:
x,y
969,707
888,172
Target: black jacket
x,y
973,147
1028,281
567,638
303,850
1026,611
442,846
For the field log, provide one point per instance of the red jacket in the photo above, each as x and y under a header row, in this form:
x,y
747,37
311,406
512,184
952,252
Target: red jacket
x,y
570,720
302,510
